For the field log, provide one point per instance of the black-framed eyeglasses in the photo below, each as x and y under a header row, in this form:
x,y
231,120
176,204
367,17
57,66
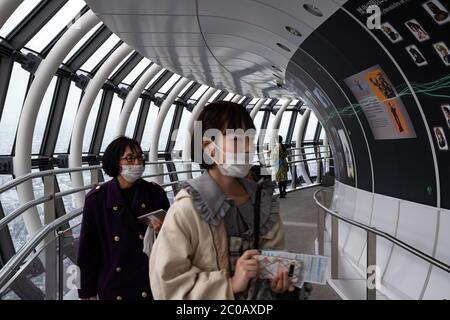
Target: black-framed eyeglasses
x,y
133,158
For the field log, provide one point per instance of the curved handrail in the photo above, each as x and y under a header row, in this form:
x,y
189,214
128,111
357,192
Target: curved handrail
x,y
15,182
435,262
28,248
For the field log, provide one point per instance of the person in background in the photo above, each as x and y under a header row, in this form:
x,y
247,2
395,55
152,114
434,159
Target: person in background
x,y
206,246
280,166
112,263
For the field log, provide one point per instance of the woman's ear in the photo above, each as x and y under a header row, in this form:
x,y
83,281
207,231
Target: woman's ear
x,y
206,145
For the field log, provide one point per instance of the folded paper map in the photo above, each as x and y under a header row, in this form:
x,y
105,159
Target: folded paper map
x,y
270,267
314,267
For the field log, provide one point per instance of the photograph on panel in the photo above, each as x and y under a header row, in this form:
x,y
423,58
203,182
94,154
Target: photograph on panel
x,y
391,33
442,49
417,30
437,11
416,55
440,138
446,110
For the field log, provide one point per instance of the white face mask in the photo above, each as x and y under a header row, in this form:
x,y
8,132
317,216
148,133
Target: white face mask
x,y
236,164
131,173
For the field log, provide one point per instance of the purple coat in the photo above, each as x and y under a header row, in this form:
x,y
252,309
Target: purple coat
x,y
112,264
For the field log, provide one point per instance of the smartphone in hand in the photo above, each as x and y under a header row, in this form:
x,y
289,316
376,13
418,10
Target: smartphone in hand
x,y
147,218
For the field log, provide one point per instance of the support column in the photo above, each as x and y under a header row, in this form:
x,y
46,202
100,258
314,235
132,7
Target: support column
x,y
133,96
7,7
277,121
236,98
299,141
190,127
257,107
156,132
91,92
44,74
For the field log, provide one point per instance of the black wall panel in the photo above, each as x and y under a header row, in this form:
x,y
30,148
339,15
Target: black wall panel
x,y
403,168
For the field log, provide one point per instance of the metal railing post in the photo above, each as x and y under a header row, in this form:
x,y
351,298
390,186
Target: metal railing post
x,y
60,265
94,176
320,228
371,275
50,249
334,247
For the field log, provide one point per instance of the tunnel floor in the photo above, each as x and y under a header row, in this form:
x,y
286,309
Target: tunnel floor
x,y
299,213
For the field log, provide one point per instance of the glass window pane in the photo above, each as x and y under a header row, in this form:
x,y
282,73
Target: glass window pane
x,y
199,92
258,121
229,97
182,133
312,125
151,119
297,124
70,111
169,84
98,55
13,104
54,26
10,202
18,16
83,40
150,84
164,136
133,119
91,122
323,134
214,96
113,119
269,128
42,118
185,88
136,72
284,126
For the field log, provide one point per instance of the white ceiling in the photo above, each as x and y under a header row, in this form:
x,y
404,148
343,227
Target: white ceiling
x,y
231,45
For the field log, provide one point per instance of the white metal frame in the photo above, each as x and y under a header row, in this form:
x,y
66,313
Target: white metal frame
x,y
92,90
44,74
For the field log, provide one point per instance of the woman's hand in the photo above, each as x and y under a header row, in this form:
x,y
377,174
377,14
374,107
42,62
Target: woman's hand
x,y
246,269
155,224
281,283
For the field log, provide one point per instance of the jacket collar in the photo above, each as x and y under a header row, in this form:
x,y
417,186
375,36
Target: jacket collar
x,y
114,196
210,200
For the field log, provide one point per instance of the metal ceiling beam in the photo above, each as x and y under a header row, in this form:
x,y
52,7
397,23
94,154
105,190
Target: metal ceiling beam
x,y
6,66
51,44
126,68
55,117
30,26
88,48
142,120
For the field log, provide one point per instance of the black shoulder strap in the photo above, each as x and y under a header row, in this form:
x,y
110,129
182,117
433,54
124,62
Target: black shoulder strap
x,y
257,215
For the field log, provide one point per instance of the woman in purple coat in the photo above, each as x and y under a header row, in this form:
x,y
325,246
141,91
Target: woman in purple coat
x,y
110,257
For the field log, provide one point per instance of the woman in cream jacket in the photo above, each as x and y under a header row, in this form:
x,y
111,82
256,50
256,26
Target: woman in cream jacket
x,y
204,249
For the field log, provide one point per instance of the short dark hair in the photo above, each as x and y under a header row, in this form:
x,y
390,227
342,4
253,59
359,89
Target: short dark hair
x,y
221,115
114,151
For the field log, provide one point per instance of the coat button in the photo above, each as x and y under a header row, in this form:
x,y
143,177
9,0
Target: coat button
x,y
141,237
144,294
97,187
115,208
118,269
143,205
116,238
119,298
